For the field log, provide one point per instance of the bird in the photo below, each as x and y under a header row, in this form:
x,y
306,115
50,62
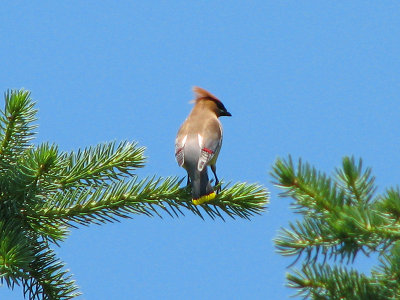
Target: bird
x,y
198,144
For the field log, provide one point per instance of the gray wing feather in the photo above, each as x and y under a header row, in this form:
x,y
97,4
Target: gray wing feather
x,y
212,142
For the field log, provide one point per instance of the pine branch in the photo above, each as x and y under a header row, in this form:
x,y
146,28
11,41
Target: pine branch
x,y
387,273
16,128
24,260
15,253
356,182
389,204
47,278
149,197
307,237
333,224
102,162
312,191
34,173
341,217
323,282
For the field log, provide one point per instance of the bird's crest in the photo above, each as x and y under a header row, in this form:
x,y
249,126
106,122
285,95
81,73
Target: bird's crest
x,y
203,94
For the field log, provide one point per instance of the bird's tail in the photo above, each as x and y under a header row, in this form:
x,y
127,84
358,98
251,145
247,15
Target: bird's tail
x,y
202,190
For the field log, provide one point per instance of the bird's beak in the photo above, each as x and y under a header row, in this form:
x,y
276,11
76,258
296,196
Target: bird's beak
x,y
226,114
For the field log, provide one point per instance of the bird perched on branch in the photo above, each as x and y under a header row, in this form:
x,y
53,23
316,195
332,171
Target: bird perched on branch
x,y
198,143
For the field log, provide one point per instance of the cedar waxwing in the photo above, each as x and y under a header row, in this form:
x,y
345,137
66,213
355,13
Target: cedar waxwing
x,y
198,143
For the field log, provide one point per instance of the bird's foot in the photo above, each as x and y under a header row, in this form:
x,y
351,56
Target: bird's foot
x,y
219,189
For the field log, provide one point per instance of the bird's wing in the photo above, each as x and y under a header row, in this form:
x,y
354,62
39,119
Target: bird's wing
x,y
210,141
180,142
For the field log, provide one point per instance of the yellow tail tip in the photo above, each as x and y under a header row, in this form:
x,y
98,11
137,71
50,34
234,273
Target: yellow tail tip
x,y
203,199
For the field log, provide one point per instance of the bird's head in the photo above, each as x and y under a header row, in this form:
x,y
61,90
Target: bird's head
x,y
212,102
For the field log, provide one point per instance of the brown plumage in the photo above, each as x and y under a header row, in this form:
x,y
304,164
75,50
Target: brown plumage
x,y
198,143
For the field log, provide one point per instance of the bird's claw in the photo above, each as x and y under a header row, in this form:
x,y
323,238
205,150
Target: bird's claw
x,y
219,189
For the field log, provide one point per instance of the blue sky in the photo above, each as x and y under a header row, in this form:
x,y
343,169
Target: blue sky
x,y
316,79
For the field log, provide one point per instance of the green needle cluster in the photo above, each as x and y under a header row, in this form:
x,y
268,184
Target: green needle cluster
x,y
341,216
